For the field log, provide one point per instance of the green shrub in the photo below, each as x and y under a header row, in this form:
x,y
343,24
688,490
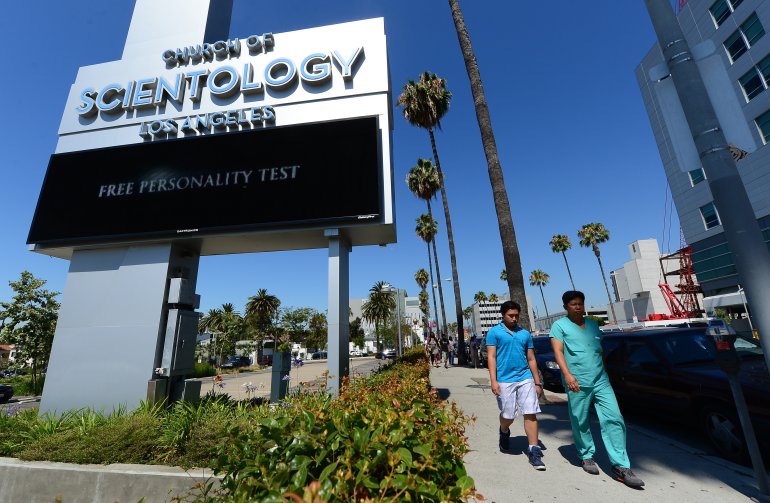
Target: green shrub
x,y
22,385
385,437
203,370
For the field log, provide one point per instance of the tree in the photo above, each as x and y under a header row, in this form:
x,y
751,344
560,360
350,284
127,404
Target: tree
x,y
480,296
318,331
424,103
357,333
378,307
540,279
560,243
421,278
592,235
296,323
511,256
261,310
504,275
232,330
426,229
28,322
493,297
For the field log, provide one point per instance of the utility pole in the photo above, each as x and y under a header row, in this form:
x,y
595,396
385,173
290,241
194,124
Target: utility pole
x,y
741,230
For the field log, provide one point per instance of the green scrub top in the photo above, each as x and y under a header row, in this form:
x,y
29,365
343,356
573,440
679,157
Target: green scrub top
x,y
582,349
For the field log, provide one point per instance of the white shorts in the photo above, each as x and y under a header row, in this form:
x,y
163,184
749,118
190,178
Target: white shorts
x,y
517,398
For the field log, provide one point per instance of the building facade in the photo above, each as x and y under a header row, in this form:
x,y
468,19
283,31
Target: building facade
x,y
636,284
729,42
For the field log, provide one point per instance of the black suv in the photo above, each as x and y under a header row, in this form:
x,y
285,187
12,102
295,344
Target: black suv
x,y
6,392
236,361
672,373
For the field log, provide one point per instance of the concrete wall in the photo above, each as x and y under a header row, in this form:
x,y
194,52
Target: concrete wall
x,y
41,481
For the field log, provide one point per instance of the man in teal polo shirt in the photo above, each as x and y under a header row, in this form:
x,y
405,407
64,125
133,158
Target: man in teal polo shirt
x,y
512,367
577,348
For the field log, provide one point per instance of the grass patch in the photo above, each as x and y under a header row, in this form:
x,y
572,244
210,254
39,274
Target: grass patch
x,y
22,385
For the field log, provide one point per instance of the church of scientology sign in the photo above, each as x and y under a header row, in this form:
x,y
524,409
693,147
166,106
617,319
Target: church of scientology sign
x,y
214,141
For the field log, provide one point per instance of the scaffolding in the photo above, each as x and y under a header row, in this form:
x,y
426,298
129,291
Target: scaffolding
x,y
683,302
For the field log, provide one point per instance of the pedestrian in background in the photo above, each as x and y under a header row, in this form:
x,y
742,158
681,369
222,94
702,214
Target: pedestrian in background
x,y
445,350
512,371
451,350
577,349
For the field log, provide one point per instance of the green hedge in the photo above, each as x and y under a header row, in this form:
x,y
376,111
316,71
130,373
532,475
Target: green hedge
x,y
385,438
22,385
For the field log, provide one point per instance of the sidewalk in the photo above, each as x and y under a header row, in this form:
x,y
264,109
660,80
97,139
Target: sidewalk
x,y
672,472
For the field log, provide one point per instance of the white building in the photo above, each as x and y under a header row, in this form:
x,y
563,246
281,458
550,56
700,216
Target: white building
x,y
487,314
637,283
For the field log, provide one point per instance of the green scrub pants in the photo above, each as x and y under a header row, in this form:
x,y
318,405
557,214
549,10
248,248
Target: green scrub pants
x,y
611,422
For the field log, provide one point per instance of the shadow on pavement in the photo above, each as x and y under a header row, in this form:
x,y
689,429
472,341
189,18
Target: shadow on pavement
x,y
443,393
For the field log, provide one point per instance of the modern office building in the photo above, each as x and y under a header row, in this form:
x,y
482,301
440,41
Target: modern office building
x,y
729,43
486,314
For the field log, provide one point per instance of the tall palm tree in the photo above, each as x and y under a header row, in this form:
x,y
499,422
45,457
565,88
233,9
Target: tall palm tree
x,y
504,275
425,309
423,180
426,229
424,103
421,278
378,308
493,297
540,278
227,326
511,255
260,311
592,235
560,243
480,296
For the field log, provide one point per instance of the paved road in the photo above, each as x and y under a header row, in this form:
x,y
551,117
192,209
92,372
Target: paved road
x,y
673,471
311,370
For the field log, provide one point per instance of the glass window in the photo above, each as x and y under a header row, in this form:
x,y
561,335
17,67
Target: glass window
x,y
709,214
640,356
751,83
763,124
686,348
720,11
697,176
744,37
735,3
735,45
752,29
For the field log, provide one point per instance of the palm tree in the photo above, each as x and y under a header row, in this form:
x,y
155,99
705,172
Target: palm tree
x,y
540,279
378,308
480,297
424,103
260,311
504,275
421,278
426,229
591,235
560,243
493,297
511,254
227,326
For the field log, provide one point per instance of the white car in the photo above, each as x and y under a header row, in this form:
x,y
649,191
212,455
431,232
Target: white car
x,y
355,352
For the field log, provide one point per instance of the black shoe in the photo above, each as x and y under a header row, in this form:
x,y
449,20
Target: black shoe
x,y
504,438
626,476
534,458
589,466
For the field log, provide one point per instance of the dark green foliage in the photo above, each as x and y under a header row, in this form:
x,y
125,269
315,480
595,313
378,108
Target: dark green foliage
x,y
203,370
387,437
22,385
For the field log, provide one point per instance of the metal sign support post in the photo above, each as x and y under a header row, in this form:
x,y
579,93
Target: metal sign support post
x,y
338,316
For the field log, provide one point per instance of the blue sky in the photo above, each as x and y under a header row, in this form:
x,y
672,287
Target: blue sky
x,y
572,133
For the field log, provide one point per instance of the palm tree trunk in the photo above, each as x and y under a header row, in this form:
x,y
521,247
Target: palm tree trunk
x,y
606,286
544,304
432,290
452,256
377,336
568,271
511,255
440,290
435,253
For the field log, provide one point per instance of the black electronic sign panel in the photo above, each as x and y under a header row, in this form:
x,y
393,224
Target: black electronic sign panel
x,y
275,178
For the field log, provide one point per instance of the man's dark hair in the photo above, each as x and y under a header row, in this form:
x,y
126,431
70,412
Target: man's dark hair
x,y
570,295
508,305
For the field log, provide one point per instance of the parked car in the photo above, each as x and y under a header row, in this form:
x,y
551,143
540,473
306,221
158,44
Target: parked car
x,y
355,352
550,374
236,361
672,373
10,373
385,353
6,392
320,355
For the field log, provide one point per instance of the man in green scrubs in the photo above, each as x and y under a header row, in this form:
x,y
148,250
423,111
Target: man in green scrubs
x,y
577,348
